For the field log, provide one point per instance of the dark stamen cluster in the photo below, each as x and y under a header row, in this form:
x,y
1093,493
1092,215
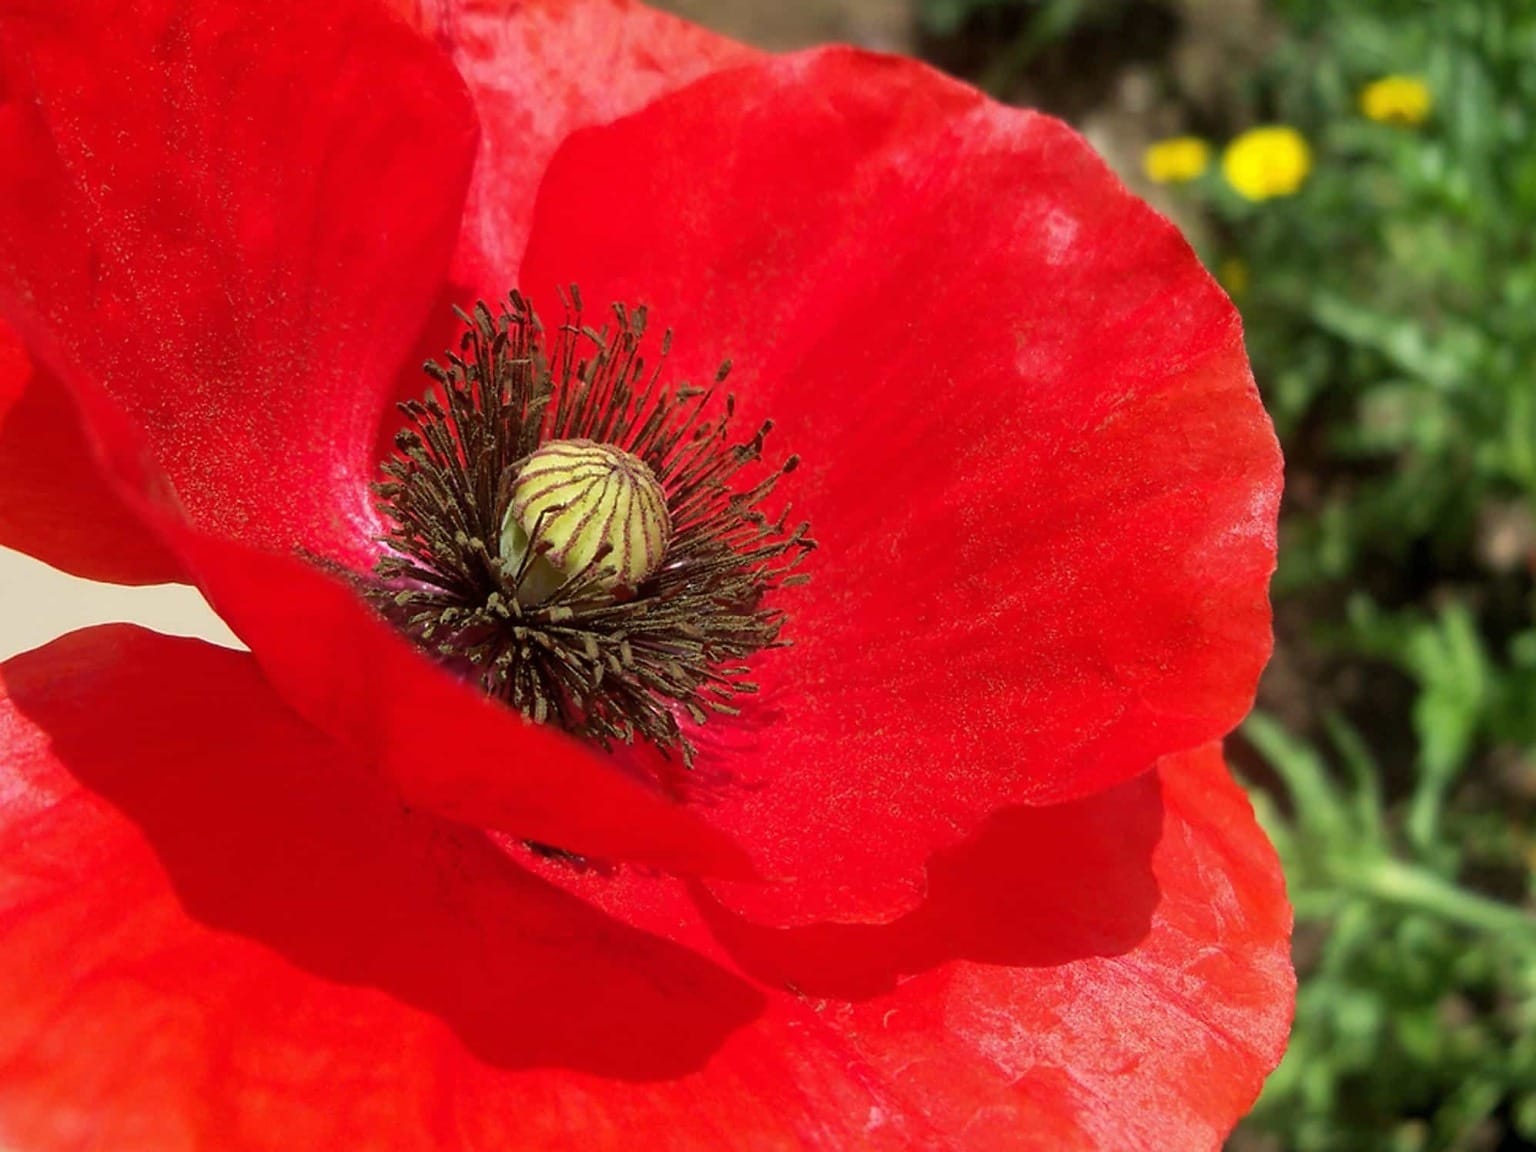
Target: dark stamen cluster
x,y
605,667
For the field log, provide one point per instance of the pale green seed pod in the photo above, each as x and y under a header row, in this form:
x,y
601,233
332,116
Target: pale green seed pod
x,y
572,497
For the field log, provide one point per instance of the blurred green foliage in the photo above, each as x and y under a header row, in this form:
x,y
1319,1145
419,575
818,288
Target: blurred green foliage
x,y
1390,307
1013,36
1046,18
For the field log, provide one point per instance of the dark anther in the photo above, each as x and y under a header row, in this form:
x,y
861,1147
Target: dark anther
x,y
607,666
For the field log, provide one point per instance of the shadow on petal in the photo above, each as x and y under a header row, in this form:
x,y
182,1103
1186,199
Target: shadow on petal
x,y
265,834
1035,887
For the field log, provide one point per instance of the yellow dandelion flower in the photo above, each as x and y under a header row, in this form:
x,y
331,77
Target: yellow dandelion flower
x,y
1397,100
1232,274
1176,160
1267,162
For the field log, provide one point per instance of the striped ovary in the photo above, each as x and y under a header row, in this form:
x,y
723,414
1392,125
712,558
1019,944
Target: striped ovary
x,y
589,494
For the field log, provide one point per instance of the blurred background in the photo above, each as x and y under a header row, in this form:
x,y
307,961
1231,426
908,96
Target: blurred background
x,y
1361,176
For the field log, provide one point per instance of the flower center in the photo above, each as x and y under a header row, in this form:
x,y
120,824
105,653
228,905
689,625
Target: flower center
x,y
584,511
576,536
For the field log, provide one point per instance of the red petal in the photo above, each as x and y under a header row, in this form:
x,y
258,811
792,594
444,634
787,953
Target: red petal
x,y
539,70
54,502
443,745
224,227
215,933
1043,483
1215,964
224,218
1111,972
1162,1044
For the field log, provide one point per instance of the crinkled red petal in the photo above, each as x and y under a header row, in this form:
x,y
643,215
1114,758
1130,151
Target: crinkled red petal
x,y
214,932
1043,483
1109,972
54,502
223,228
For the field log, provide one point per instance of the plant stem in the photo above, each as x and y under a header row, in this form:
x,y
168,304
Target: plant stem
x,y
1411,887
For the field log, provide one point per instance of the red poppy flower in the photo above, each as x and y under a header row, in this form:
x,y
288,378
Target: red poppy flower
x,y
967,871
